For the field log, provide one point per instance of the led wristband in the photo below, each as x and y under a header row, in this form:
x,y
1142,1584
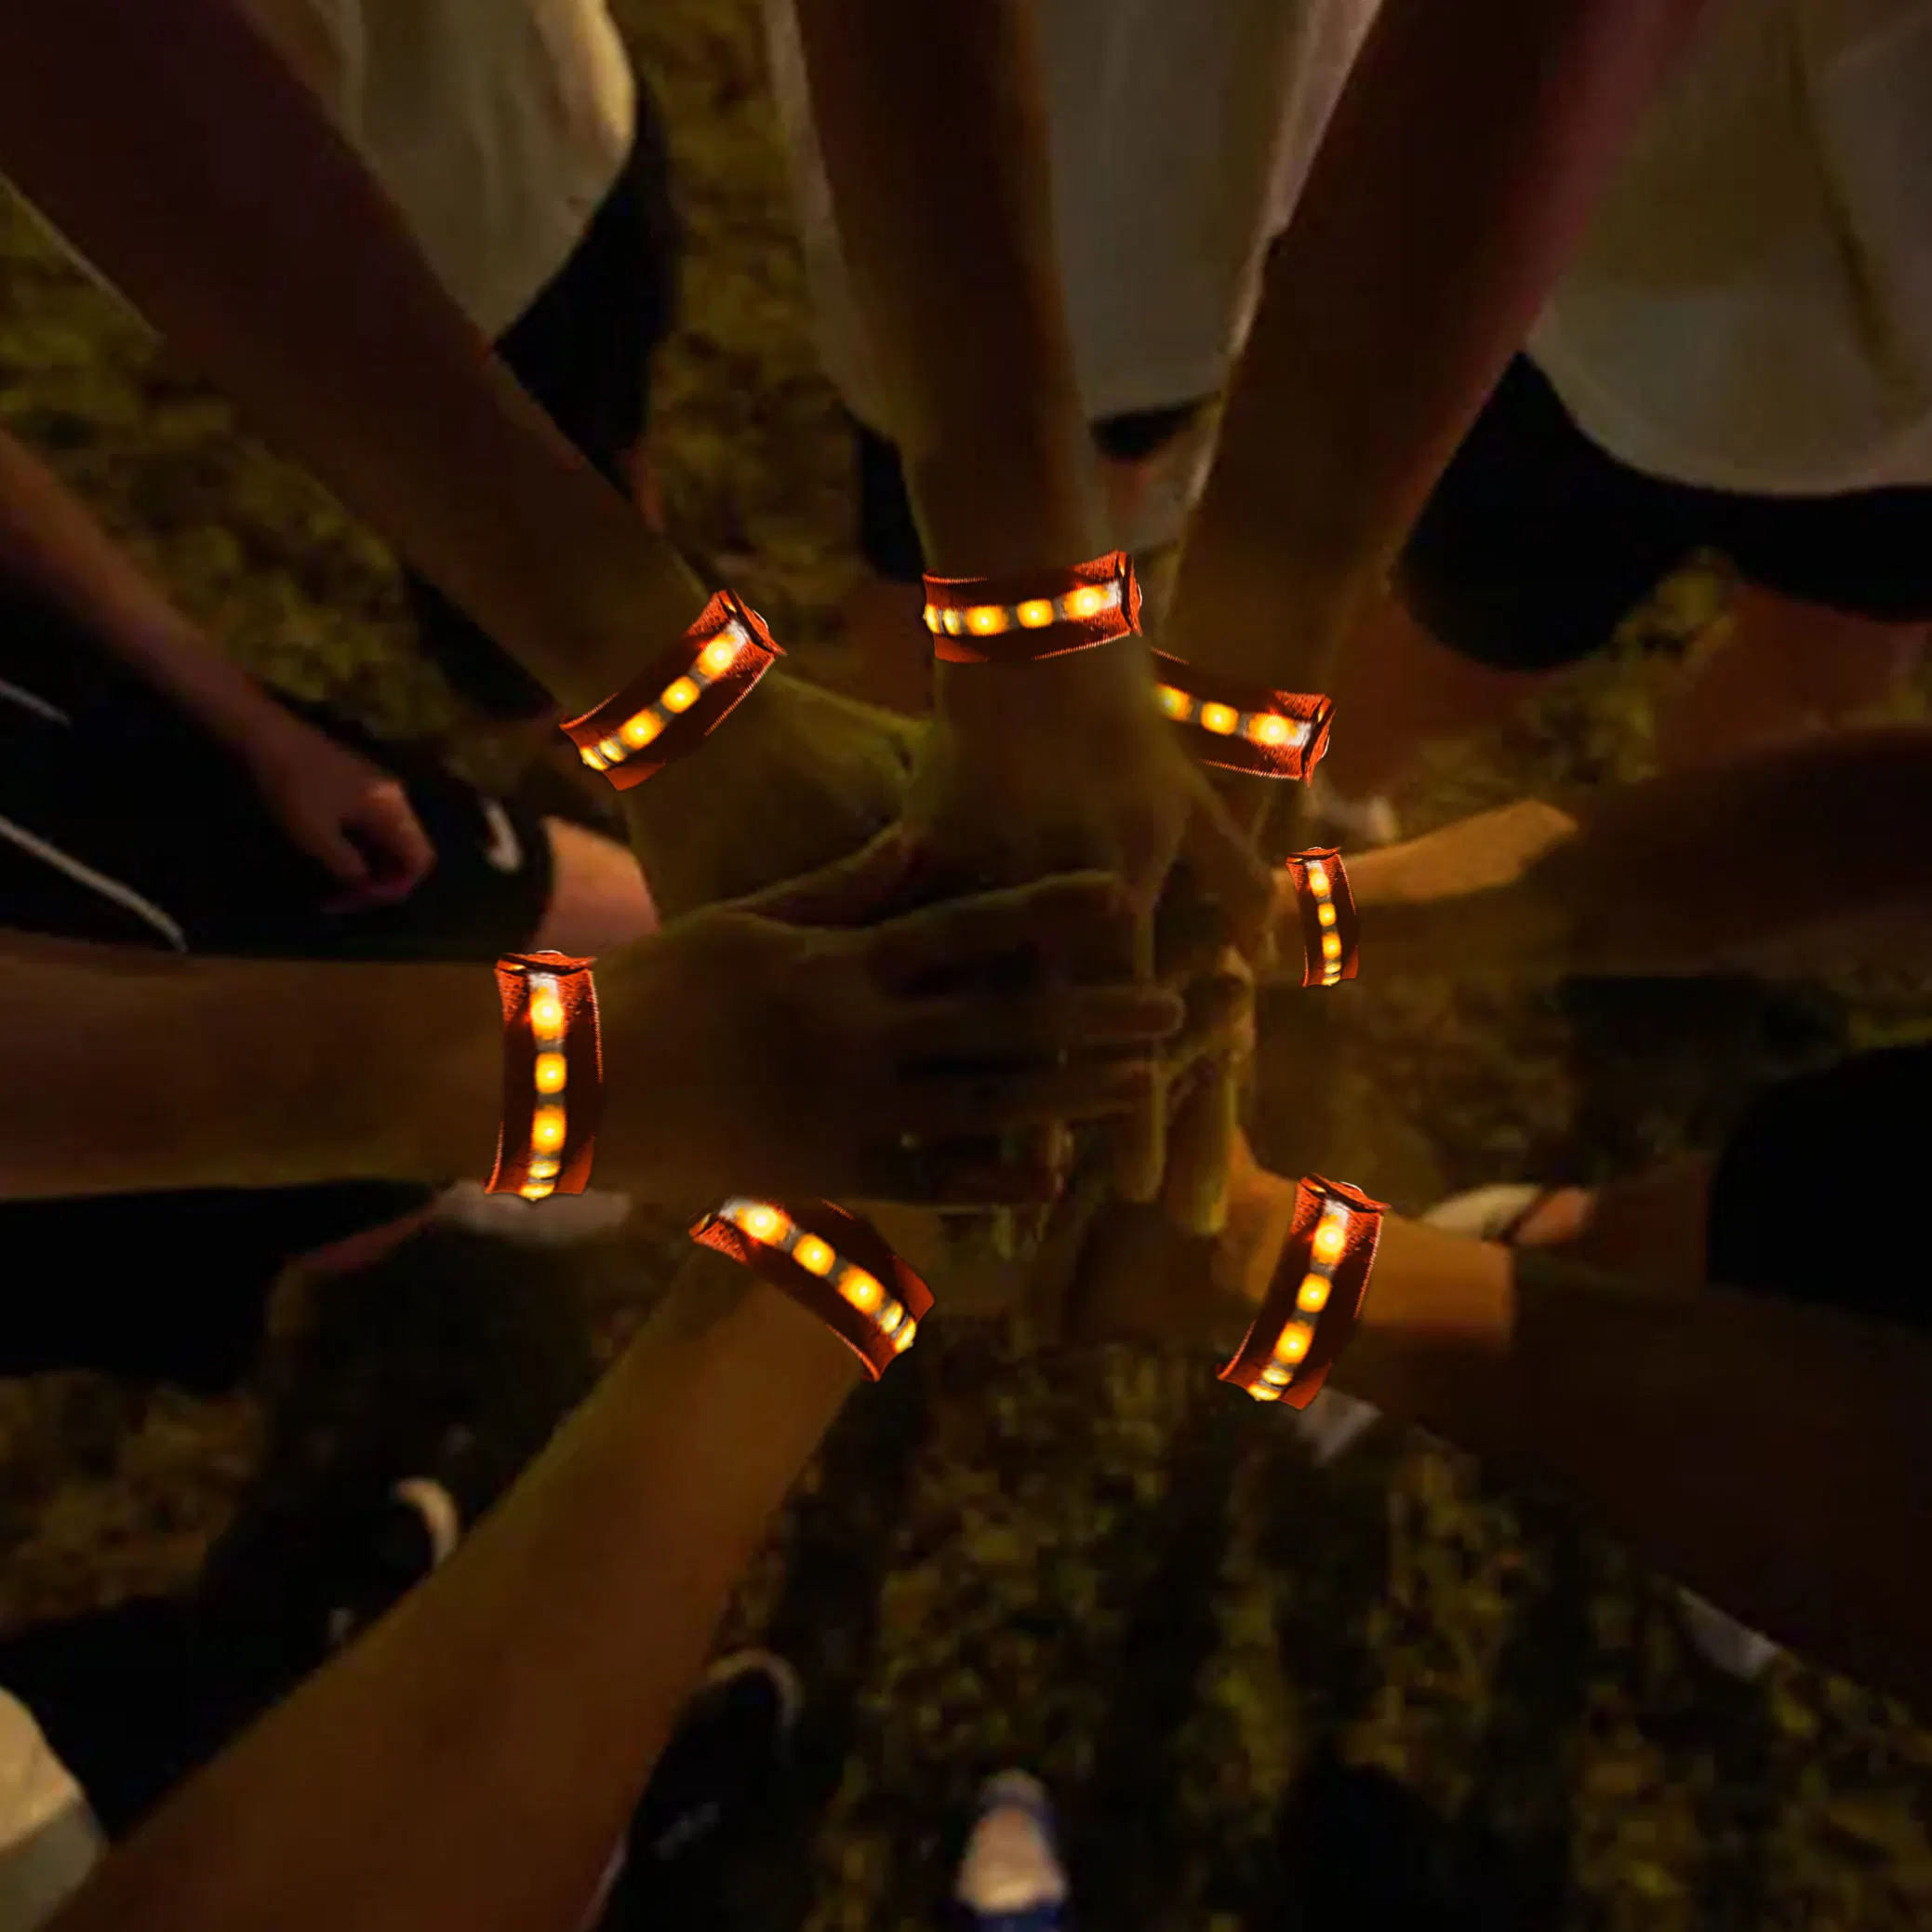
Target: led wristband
x,y
1331,930
1241,726
552,1075
833,1264
1316,1299
1040,614
670,708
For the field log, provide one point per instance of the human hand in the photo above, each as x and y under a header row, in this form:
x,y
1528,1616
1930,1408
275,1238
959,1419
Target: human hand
x,y
342,810
798,777
785,1044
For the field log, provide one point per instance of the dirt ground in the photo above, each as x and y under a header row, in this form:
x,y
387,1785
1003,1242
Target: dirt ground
x,y
1111,1572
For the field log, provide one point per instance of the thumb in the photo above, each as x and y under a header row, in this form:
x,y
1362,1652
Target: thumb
x,y
848,892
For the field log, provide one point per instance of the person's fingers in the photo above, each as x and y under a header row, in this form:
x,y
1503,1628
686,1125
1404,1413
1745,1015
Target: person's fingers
x,y
1200,1150
1230,869
1220,1021
847,892
1052,920
404,853
938,1105
1071,1021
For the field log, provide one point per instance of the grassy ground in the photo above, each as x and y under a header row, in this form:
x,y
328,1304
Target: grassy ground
x,y
1111,1572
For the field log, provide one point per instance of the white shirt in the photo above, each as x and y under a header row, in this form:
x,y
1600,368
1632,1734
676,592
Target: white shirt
x,y
496,125
1752,308
1155,105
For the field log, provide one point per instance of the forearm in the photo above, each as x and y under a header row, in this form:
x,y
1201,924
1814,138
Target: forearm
x,y
178,151
1815,851
932,121
1459,171
1767,1454
153,1072
473,1760
50,543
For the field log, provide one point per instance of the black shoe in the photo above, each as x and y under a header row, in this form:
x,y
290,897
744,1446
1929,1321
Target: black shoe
x,y
699,1823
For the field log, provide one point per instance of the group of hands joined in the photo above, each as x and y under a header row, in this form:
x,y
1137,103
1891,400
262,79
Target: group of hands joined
x,y
1001,960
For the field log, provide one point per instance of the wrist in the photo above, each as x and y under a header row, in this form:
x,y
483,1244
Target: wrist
x,y
445,1101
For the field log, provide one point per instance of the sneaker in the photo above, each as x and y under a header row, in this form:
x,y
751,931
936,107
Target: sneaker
x,y
1011,1879
416,1530
714,1786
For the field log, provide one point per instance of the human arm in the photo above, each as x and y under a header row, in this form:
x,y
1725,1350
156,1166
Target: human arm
x,y
474,1759
1762,1452
319,790
1458,173
176,148
951,250
782,1045
1810,855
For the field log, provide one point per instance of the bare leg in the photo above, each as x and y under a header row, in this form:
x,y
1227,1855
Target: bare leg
x,y
598,900
1396,689
1774,670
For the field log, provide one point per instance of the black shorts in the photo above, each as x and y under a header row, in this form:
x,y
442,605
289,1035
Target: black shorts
x,y
583,351
1537,543
1855,1127
121,822
888,535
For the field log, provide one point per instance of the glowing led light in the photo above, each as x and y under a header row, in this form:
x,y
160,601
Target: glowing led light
x,y
890,1315
1264,1391
1086,601
680,696
813,1255
1293,1344
1275,1376
1036,613
591,757
986,621
862,1290
1331,945
544,1170
1317,876
951,619
1314,1296
639,732
932,617
1325,913
547,1129
552,1072
1220,719
610,751
719,655
546,1013
1175,703
903,1340
536,1190
1268,729
1331,1237
760,1222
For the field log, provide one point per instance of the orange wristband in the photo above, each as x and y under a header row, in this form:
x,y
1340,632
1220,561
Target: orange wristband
x,y
552,1075
1241,726
1331,930
1316,1299
1040,614
673,707
833,1264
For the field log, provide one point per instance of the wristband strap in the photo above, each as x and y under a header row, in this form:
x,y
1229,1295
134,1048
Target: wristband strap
x,y
670,708
552,1075
833,1264
1331,930
1022,619
1241,726
1316,1299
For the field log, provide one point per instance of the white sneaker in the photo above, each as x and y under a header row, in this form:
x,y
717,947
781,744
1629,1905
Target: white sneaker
x,y
558,1222
1012,1876
1730,1646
